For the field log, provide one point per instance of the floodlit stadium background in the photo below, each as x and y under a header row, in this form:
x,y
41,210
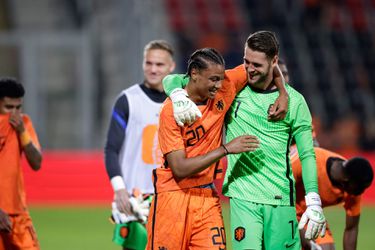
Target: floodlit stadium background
x,y
75,56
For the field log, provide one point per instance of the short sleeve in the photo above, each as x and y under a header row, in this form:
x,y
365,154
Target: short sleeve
x,y
170,137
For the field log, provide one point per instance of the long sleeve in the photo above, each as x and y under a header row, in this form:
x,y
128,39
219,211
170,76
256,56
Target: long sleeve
x,y
116,136
303,136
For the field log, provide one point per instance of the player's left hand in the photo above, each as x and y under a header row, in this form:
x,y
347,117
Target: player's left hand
x,y
313,216
278,110
140,207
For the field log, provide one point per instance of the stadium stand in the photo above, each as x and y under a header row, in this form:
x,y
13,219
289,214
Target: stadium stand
x,y
328,46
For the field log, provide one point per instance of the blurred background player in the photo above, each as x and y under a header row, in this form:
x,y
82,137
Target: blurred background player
x,y
260,184
131,150
17,137
186,210
340,181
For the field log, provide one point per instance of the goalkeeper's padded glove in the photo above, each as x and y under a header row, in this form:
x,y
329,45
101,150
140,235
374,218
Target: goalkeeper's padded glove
x,y
184,109
315,246
120,218
141,207
314,216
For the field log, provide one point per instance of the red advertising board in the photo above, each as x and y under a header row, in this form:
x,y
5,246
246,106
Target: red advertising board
x,y
76,177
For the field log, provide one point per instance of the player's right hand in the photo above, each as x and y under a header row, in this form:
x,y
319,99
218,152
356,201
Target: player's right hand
x,y
15,119
184,109
122,201
5,223
244,143
279,109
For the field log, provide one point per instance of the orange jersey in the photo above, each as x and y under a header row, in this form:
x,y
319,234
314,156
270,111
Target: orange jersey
x,y
200,138
329,194
12,194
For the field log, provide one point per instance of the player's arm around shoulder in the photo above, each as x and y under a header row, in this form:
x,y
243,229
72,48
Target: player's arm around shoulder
x,y
235,78
184,109
279,109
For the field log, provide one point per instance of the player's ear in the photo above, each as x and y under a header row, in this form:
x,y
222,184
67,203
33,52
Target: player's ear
x,y
275,60
172,67
194,74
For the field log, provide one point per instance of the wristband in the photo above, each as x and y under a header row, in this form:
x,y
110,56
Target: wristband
x,y
225,149
25,138
117,183
313,198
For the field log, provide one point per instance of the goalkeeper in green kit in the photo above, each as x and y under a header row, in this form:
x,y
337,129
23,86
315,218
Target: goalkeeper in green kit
x,y
260,184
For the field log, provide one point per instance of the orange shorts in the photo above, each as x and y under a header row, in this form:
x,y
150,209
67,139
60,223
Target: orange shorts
x,y
186,219
22,236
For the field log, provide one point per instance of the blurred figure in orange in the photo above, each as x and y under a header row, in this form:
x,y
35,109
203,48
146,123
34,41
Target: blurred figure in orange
x,y
17,137
341,181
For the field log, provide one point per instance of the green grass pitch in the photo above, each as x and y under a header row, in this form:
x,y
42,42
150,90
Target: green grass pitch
x,y
87,227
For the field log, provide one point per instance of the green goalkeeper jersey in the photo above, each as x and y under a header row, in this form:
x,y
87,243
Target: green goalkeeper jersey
x,y
265,175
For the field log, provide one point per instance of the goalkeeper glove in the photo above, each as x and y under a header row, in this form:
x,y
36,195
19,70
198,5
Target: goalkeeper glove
x,y
315,217
141,207
120,218
184,109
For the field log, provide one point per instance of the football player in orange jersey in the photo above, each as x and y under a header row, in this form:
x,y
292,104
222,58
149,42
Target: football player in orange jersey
x,y
17,137
186,211
340,181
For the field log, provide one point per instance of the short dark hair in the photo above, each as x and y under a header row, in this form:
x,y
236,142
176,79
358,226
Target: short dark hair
x,y
264,41
159,44
200,58
360,174
10,87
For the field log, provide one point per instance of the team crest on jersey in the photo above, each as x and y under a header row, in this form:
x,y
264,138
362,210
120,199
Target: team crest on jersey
x,y
239,233
220,105
163,248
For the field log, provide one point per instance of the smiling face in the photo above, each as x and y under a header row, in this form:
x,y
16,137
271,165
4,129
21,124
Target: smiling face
x,y
207,82
259,68
157,63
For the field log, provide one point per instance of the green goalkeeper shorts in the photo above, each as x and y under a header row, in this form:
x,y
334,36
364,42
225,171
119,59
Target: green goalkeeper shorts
x,y
131,235
260,226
